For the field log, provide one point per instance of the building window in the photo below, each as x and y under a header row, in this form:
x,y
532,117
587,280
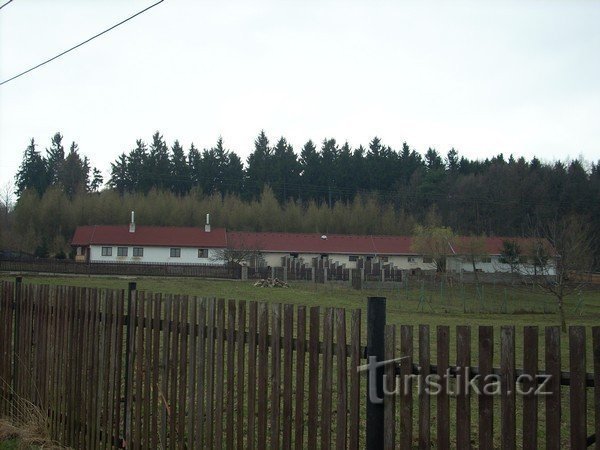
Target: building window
x,y
352,258
486,259
202,253
175,253
138,251
122,251
106,251
324,256
293,255
383,258
427,260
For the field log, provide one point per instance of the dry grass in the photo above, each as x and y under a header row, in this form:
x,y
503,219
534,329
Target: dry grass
x,y
28,424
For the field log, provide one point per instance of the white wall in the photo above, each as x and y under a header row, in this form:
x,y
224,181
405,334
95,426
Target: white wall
x,y
458,264
189,255
274,259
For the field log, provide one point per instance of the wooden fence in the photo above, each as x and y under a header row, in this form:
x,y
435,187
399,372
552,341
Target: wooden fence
x,y
123,268
199,373
129,369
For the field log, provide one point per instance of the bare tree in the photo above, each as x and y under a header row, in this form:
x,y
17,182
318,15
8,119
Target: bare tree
x,y
561,259
238,252
434,242
473,250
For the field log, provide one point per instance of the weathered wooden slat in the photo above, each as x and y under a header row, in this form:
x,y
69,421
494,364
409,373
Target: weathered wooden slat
x,y
229,436
138,374
507,386
182,406
389,398
313,377
406,396
71,371
210,372
355,381
119,379
191,372
219,373
115,354
463,399
300,369
275,419
530,403
156,404
200,373
147,409
327,379
252,343
81,389
553,409
341,429
174,375
6,317
424,398
577,391
443,405
486,399
596,357
288,335
94,419
241,356
263,373
164,389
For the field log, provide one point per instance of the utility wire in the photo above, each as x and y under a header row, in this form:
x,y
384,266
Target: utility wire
x,y
80,44
9,1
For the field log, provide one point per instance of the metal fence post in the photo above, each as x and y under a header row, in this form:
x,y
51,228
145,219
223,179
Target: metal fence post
x,y
376,321
131,298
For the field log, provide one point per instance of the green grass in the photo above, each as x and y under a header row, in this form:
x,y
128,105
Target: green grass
x,y
431,304
9,444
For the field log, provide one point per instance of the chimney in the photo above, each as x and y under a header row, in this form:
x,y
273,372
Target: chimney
x,y
132,224
207,226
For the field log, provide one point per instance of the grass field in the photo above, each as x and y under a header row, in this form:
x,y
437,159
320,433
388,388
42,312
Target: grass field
x,y
438,304
419,304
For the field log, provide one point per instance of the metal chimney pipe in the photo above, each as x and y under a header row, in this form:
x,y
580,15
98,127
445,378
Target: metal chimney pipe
x,y
132,223
207,226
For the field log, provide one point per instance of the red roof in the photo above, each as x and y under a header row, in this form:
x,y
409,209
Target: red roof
x,y
155,236
270,242
493,245
314,243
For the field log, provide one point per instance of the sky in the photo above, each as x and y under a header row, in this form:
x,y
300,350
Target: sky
x,y
484,78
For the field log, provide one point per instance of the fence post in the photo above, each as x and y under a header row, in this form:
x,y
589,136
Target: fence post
x,y
376,321
131,298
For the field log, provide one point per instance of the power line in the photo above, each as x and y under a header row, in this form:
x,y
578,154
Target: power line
x,y
80,44
9,1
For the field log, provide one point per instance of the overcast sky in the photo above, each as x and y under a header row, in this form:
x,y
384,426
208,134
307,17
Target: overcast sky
x,y
521,78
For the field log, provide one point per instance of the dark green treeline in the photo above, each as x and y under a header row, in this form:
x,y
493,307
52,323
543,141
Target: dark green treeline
x,y
326,187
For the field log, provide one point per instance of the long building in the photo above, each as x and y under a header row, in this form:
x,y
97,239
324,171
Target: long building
x,y
192,245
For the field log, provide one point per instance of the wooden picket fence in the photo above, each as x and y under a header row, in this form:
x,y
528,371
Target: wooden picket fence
x,y
199,373
481,424
132,369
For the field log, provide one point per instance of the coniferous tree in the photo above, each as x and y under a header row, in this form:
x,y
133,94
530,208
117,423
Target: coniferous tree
x,y
32,173
55,159
258,166
74,173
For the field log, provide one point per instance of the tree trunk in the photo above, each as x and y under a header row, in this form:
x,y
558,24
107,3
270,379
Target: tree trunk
x,y
475,272
561,312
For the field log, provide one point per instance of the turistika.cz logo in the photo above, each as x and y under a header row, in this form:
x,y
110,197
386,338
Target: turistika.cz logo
x,y
455,381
